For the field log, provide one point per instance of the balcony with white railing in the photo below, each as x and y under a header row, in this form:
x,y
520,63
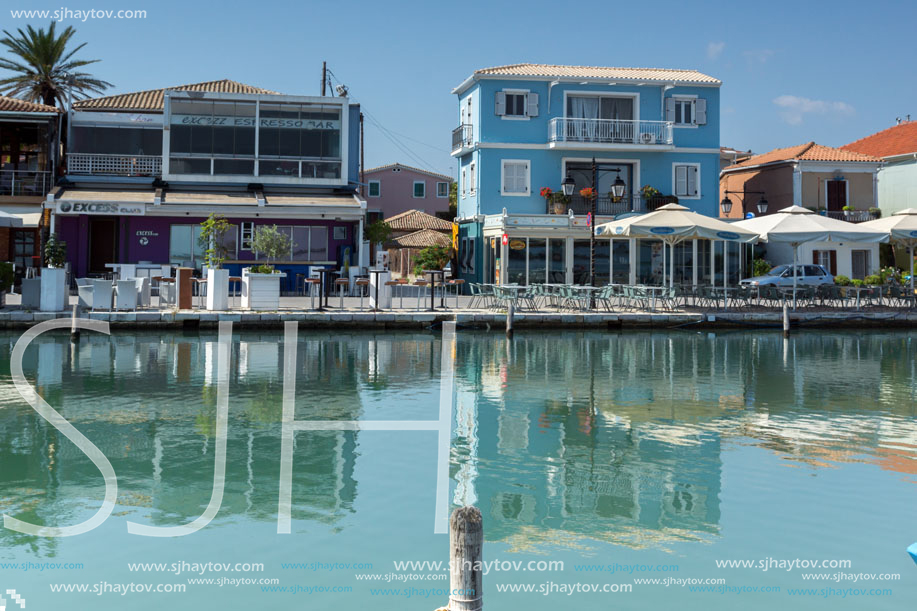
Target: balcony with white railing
x,y
576,133
28,183
114,165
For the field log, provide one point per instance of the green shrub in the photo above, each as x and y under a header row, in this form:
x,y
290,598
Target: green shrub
x,y
262,269
432,257
55,252
876,212
759,267
857,282
842,280
273,245
874,280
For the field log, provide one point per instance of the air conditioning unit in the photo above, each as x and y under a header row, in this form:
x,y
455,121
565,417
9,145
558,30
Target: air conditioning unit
x,y
648,138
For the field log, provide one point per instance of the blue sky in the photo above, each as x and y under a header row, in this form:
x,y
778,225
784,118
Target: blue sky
x,y
792,71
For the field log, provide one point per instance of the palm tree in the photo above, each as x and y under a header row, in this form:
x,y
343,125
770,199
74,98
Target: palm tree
x,y
45,70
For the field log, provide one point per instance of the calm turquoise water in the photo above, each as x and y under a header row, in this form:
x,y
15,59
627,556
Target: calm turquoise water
x,y
670,451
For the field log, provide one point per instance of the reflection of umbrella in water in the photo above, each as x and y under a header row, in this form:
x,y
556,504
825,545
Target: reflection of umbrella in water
x,y
797,225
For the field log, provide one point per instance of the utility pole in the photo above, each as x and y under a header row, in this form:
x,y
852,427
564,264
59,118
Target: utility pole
x,y
362,150
324,76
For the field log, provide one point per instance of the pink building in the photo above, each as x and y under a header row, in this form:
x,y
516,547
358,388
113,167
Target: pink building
x,y
395,188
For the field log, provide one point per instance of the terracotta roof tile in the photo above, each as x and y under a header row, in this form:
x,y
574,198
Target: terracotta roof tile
x,y
805,152
422,239
407,167
152,99
899,139
17,105
597,72
414,220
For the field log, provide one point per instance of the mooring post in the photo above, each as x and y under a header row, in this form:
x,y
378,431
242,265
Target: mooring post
x,y
786,321
466,543
74,332
510,312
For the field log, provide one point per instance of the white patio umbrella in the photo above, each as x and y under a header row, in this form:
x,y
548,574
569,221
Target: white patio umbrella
x,y
672,224
9,220
902,228
797,225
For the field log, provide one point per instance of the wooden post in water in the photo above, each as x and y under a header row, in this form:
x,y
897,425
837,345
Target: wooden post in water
x,y
74,332
510,312
786,321
466,543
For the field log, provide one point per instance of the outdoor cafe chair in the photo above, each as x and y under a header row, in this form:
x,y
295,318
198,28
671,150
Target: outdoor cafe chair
x,y
126,298
314,286
142,286
421,287
101,294
361,284
341,283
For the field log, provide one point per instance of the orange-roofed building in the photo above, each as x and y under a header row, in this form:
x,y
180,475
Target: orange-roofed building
x,y
897,147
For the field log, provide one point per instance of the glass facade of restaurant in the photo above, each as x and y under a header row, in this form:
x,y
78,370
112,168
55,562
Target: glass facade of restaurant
x,y
538,260
228,138
116,140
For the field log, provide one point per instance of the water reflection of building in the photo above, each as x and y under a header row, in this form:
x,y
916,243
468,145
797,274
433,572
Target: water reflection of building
x,y
149,404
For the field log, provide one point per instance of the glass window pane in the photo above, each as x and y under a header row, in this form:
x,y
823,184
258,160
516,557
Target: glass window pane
x,y
581,262
537,260
234,166
602,262
278,167
189,166
180,251
318,250
621,253
515,266
557,272
301,243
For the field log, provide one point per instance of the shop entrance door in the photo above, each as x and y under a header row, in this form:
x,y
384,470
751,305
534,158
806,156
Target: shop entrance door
x,y
103,244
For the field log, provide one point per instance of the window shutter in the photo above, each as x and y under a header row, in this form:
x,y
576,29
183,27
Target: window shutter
x,y
500,104
700,111
670,109
832,256
531,104
681,180
508,177
692,180
523,174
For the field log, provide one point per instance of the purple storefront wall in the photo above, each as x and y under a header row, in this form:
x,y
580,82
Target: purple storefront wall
x,y
74,230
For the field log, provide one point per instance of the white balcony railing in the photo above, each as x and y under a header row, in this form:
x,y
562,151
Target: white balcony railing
x,y
610,131
114,165
25,182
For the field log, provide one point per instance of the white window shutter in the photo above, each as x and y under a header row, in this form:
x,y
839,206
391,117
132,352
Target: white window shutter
x,y
531,105
507,186
681,180
500,104
692,180
523,177
670,109
700,111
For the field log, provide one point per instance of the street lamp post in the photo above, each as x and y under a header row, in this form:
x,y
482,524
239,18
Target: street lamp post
x,y
726,204
617,191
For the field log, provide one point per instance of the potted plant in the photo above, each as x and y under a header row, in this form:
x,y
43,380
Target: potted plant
x,y
54,276
847,210
261,283
648,192
587,193
875,213
7,276
211,240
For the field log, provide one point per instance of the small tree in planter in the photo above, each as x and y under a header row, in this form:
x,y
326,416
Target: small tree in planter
x,y
378,232
211,240
260,283
53,276
7,276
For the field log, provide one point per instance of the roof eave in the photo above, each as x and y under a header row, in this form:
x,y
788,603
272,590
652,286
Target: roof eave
x,y
580,79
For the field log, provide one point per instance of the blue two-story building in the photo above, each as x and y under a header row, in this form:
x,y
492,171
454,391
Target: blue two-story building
x,y
524,128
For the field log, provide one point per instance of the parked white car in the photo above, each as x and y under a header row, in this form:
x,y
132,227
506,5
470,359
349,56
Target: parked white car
x,y
782,275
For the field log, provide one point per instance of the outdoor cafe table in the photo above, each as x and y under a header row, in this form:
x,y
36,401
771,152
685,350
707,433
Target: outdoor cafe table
x,y
859,290
654,292
322,292
442,281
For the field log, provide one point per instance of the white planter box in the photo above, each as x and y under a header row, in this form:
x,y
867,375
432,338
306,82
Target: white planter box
x,y
53,290
218,289
261,291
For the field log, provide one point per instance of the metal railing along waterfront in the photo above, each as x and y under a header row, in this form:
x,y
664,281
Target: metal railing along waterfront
x,y
610,131
462,136
24,182
114,165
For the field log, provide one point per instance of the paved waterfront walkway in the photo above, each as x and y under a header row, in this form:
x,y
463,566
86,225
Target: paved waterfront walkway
x,y
298,309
